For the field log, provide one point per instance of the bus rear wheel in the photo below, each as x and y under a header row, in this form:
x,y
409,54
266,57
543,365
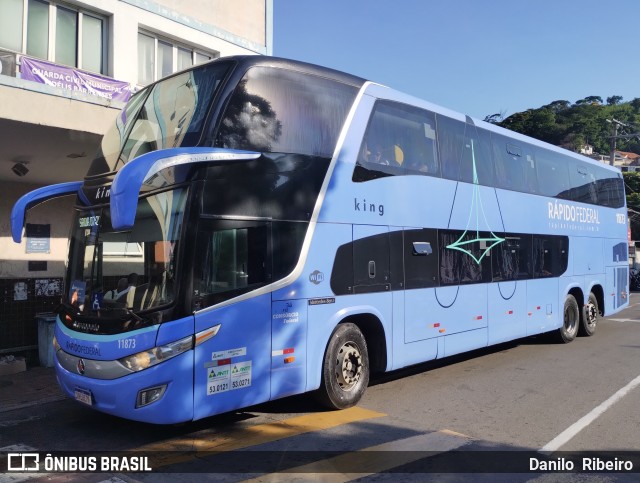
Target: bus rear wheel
x,y
590,316
571,320
345,369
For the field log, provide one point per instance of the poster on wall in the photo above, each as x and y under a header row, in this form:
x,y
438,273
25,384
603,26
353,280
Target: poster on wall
x,y
38,238
20,291
48,287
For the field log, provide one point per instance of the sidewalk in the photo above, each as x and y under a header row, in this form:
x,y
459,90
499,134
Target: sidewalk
x,y
34,386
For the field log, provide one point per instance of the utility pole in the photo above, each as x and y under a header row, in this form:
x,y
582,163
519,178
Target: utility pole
x,y
614,136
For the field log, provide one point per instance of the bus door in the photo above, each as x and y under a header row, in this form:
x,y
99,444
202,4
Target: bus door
x,y
232,368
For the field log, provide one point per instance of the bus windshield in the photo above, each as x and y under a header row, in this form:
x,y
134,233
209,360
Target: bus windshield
x,y
167,114
126,270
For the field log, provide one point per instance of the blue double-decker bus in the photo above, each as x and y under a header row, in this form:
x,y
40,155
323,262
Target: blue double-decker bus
x,y
254,228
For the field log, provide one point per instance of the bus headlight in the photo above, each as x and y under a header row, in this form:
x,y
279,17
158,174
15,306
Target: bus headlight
x,y
144,360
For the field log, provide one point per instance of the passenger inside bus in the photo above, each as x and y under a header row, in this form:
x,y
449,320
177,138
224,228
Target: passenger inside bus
x,y
121,287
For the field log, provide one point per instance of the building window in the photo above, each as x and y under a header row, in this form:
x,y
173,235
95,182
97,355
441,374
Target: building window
x,y
54,31
158,57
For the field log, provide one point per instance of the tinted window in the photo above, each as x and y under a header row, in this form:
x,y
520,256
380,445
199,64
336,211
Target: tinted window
x,y
550,255
277,110
287,239
174,113
583,182
279,186
553,174
514,165
476,154
511,259
232,259
451,144
610,188
399,140
462,257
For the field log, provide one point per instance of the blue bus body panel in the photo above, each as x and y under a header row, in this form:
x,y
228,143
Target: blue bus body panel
x,y
34,197
105,347
289,347
175,330
233,368
507,311
118,396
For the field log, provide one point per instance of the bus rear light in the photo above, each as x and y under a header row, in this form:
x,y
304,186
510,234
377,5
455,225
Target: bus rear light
x,y
150,395
289,360
207,334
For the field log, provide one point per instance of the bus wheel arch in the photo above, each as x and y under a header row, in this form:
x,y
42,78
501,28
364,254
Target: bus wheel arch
x,y
591,311
355,349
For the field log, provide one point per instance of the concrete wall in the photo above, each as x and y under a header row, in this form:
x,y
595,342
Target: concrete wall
x,y
245,18
14,257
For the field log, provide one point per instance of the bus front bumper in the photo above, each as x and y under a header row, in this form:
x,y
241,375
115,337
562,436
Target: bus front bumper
x,y
171,380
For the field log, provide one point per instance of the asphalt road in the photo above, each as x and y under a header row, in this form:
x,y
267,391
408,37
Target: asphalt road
x,y
521,397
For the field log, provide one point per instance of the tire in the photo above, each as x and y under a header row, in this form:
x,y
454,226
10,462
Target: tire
x,y
570,322
345,369
590,316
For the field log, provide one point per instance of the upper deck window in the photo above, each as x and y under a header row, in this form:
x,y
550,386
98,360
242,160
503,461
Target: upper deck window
x,y
171,114
400,139
283,111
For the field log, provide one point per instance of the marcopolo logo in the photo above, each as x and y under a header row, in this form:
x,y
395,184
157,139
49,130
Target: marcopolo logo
x,y
316,277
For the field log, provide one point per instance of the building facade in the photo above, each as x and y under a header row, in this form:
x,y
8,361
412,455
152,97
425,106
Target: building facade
x,y
66,69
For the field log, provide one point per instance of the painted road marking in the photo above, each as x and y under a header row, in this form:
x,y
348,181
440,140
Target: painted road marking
x,y
622,320
180,450
560,440
391,455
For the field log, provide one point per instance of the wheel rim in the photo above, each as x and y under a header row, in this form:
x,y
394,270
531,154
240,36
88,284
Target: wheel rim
x,y
591,315
570,319
348,366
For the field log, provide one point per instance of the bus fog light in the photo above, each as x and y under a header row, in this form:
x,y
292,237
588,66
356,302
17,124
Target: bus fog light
x,y
150,395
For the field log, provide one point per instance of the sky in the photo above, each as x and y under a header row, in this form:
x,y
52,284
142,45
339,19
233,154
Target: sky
x,y
477,57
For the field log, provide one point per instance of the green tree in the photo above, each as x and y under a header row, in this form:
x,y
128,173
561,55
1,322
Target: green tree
x,y
614,100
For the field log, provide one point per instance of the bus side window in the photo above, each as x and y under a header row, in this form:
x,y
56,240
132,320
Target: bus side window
x,y
476,151
399,140
583,183
515,165
553,174
550,255
450,143
512,258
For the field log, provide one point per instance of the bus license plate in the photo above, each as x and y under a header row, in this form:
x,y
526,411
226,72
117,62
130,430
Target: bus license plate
x,y
83,395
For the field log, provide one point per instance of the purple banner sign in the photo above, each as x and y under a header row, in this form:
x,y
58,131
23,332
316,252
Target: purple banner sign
x,y
74,80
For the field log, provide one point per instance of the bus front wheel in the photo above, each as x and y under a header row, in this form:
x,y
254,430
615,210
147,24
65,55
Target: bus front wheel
x,y
590,316
345,369
571,320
